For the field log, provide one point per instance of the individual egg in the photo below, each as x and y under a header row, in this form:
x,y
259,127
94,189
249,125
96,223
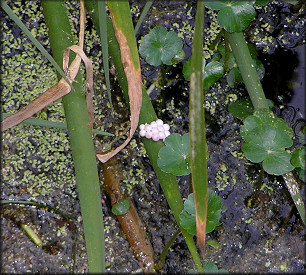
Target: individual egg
x,y
141,127
161,135
159,122
166,127
153,124
148,127
160,129
167,133
155,137
148,134
142,132
154,131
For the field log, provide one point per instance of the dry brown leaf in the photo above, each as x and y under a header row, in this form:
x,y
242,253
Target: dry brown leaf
x,y
134,90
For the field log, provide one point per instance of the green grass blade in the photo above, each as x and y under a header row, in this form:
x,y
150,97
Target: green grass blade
x,y
104,45
53,124
197,138
15,18
143,14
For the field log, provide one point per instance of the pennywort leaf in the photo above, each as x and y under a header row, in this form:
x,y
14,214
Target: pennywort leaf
x,y
241,108
174,156
265,139
160,46
187,216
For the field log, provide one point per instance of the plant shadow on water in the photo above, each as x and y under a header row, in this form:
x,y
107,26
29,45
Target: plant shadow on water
x,y
267,238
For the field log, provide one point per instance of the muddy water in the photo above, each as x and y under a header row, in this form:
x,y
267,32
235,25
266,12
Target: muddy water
x,y
267,238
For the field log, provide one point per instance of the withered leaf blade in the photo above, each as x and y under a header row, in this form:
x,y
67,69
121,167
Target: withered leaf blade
x,y
133,76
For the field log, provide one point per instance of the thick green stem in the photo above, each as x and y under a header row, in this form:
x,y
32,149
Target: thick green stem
x,y
81,143
247,69
167,181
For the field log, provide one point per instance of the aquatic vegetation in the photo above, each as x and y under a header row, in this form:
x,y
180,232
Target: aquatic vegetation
x,y
266,137
174,157
213,213
160,47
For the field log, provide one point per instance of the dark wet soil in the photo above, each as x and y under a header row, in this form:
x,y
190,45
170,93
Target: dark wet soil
x,y
267,238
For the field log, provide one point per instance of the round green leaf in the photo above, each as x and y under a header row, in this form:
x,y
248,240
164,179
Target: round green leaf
x,y
187,216
298,157
301,174
189,204
261,2
236,16
121,207
263,118
160,46
209,267
302,135
266,138
254,152
174,156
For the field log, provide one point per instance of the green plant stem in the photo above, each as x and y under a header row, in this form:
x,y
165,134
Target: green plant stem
x,y
143,14
247,69
197,138
167,181
161,262
104,44
81,143
295,193
92,8
54,124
